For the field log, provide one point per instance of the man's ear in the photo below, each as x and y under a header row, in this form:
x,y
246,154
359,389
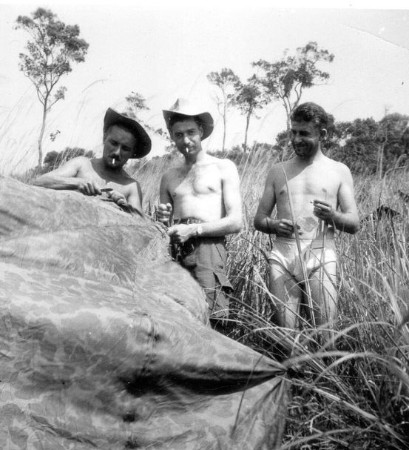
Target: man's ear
x,y
324,133
201,131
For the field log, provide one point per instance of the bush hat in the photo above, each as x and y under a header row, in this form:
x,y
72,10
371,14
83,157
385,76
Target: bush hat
x,y
185,108
143,141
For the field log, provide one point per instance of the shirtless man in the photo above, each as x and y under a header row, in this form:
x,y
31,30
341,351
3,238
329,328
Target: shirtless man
x,y
124,138
314,196
200,198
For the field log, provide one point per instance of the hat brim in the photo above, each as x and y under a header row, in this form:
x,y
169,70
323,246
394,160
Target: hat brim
x,y
205,119
143,141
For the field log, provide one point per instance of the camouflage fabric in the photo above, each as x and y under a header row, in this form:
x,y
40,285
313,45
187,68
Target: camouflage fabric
x,y
105,342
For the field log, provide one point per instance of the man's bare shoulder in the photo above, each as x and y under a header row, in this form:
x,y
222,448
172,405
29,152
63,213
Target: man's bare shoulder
x,y
81,161
279,168
171,174
223,164
338,166
128,177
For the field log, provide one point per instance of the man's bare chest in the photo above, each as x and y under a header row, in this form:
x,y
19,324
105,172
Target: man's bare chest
x,y
103,179
197,181
318,182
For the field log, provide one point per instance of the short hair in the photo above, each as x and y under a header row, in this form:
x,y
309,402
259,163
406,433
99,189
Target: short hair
x,y
311,112
183,118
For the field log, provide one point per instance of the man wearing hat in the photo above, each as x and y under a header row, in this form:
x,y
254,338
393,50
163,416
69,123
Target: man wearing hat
x,y
124,138
200,202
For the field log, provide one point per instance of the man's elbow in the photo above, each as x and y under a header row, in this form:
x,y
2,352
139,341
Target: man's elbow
x,y
257,223
354,227
237,225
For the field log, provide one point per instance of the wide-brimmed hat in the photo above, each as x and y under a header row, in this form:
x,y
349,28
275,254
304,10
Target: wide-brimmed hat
x,y
185,108
143,141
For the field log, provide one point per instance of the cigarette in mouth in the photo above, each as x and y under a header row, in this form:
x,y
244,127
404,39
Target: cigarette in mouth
x,y
113,160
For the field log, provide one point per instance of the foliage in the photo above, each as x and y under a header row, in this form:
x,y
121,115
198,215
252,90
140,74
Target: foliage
x,y
54,159
226,80
367,146
136,103
286,79
248,99
364,145
51,50
356,395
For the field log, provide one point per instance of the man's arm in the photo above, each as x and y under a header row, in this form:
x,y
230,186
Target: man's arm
x,y
262,220
232,222
165,207
346,218
65,177
134,198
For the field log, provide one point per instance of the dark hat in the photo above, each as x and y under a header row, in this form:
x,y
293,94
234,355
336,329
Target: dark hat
x,y
143,141
184,108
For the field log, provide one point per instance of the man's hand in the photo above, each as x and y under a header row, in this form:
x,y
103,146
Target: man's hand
x,y
284,228
117,197
181,233
323,210
89,187
164,212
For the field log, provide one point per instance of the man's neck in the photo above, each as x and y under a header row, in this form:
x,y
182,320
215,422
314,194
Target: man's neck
x,y
191,160
316,157
107,169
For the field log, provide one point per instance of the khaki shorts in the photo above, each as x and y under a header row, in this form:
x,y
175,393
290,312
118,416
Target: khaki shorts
x,y
205,258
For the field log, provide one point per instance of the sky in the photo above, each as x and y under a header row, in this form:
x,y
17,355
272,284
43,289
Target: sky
x,y
164,50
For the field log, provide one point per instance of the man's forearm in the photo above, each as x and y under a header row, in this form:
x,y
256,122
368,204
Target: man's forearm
x,y
346,222
264,224
58,183
221,227
216,228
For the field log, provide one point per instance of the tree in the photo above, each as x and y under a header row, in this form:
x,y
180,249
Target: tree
x,y
135,104
368,146
226,80
54,159
286,79
248,99
392,150
51,50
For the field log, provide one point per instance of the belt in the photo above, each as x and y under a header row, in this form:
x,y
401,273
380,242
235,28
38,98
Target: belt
x,y
187,221
180,251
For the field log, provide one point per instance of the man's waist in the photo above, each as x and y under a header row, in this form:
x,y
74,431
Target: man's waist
x,y
187,221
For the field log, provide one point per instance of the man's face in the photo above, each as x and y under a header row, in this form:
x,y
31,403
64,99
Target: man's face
x,y
305,138
187,136
119,145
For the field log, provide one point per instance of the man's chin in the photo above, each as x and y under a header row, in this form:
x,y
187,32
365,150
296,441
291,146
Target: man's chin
x,y
303,153
113,164
189,151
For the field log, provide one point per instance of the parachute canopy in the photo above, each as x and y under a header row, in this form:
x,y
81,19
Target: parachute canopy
x,y
105,342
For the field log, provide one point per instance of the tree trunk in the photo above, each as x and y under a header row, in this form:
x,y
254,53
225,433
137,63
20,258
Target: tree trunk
x,y
380,160
40,139
245,134
224,126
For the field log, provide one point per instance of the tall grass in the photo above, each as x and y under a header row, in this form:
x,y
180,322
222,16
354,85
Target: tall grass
x,y
354,392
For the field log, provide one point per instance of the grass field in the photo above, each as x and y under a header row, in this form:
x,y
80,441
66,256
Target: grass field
x,y
354,394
